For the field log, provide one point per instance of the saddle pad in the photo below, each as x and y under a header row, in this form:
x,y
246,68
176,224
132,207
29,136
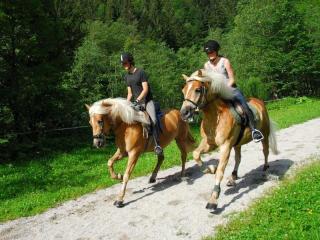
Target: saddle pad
x,y
237,115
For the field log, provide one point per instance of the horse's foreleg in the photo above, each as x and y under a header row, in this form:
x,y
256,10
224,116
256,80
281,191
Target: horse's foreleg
x,y
132,160
203,147
156,169
117,156
225,153
234,176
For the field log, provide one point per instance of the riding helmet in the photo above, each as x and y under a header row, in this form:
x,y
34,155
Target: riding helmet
x,y
211,46
126,58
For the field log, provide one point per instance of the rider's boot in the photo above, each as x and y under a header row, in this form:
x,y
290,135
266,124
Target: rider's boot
x,y
157,149
257,136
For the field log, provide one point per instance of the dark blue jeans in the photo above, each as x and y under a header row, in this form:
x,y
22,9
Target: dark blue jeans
x,y
239,98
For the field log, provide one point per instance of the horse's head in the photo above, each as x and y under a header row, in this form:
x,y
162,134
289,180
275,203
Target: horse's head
x,y
100,123
195,94
201,88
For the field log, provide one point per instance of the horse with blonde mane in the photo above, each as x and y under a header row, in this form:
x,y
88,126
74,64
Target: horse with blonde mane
x,y
118,116
207,91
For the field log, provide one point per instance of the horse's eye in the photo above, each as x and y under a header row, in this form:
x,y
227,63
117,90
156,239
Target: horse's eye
x,y
198,90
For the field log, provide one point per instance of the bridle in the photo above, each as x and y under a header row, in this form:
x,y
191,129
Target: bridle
x,y
203,97
101,134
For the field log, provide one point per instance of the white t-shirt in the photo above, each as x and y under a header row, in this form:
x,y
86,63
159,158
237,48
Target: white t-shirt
x,y
219,68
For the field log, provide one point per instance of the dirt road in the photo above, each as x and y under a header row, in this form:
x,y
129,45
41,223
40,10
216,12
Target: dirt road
x,y
170,209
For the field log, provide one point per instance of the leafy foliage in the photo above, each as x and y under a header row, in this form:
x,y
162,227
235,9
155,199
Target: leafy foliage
x,y
57,55
272,46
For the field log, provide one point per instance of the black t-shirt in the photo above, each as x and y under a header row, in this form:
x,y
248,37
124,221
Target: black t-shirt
x,y
134,81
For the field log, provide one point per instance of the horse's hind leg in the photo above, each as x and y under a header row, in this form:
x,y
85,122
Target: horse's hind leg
x,y
265,148
234,176
156,169
183,151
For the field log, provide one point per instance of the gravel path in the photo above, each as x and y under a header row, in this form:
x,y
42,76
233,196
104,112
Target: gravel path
x,y
170,209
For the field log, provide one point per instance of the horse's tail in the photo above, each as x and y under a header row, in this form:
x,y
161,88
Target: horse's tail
x,y
272,137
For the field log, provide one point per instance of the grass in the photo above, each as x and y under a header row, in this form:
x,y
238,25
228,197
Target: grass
x,y
33,185
291,111
289,212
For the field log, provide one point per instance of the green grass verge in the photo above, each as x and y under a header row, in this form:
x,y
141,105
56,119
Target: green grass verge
x,y
291,111
289,212
31,186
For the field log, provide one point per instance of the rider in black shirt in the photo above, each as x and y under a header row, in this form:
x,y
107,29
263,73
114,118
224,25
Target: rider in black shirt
x,y
139,89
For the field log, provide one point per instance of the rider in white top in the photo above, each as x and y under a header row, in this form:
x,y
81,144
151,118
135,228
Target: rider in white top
x,y
222,65
219,67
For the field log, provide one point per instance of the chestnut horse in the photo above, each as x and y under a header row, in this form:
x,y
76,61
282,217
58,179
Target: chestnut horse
x,y
207,90
126,123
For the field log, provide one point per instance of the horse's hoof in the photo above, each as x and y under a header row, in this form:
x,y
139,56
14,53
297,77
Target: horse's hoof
x,y
118,204
152,180
231,183
211,169
212,206
120,177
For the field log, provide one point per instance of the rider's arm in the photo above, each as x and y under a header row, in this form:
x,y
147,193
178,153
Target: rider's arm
x,y
229,69
144,92
129,96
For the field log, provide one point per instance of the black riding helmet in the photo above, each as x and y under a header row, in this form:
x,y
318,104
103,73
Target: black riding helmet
x,y
126,58
211,46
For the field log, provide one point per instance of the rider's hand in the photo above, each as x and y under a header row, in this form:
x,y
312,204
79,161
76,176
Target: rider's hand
x,y
137,106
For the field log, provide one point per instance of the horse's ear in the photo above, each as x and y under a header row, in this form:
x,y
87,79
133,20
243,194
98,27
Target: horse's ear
x,y
87,106
185,77
199,73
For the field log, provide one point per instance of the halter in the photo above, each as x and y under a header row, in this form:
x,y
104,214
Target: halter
x,y
203,97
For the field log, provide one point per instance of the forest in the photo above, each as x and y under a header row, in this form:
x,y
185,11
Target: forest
x,y
57,55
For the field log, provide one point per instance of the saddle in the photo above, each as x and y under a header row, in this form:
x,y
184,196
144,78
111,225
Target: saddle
x,y
241,117
147,128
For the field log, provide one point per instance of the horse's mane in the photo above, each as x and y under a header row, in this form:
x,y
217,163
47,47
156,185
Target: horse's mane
x,y
118,107
218,82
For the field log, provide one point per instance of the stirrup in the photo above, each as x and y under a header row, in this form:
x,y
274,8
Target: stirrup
x,y
158,150
255,131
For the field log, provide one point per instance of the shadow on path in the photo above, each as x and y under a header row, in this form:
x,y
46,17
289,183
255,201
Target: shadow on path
x,y
191,175
255,178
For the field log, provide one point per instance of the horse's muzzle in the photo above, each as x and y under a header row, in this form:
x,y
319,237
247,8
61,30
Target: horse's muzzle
x,y
98,142
187,113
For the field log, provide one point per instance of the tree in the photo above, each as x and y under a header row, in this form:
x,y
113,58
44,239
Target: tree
x,y
270,46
